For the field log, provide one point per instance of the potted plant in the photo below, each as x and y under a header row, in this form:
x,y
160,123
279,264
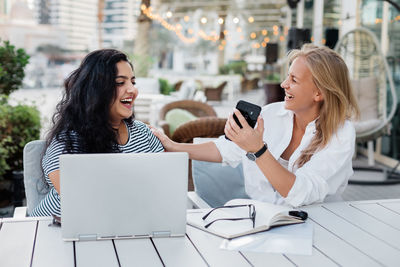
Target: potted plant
x,y
19,124
272,88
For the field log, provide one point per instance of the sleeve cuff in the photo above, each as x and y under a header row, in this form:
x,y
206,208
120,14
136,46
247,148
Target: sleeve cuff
x,y
305,191
230,152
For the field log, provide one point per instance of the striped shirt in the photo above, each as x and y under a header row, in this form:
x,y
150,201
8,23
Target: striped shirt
x,y
140,140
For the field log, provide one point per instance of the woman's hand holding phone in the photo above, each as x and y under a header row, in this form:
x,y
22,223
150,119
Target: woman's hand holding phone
x,y
247,138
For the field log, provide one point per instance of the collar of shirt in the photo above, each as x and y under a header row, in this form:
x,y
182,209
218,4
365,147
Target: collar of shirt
x,y
285,118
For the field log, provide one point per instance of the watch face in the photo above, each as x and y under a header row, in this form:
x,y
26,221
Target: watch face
x,y
251,156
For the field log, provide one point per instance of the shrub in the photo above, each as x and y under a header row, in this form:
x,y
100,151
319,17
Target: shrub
x,y
165,87
274,77
12,63
19,125
237,67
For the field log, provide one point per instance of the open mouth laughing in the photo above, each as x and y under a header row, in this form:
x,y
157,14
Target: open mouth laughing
x,y
288,96
127,102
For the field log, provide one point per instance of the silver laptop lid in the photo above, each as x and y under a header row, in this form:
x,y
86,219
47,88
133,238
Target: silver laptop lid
x,y
123,195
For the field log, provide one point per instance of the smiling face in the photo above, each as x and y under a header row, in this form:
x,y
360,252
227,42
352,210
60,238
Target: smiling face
x,y
301,93
121,108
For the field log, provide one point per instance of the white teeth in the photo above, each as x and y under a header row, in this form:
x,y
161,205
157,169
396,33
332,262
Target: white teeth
x,y
288,95
128,100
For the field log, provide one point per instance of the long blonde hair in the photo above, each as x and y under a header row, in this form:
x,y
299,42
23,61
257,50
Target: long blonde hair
x,y
331,77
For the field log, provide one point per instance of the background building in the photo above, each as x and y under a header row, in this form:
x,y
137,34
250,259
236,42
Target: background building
x,y
78,19
120,23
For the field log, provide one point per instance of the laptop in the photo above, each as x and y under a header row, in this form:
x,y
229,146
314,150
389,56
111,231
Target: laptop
x,y
121,195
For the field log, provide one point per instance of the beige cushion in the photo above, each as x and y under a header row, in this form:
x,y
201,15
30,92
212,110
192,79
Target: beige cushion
x,y
365,90
364,126
176,117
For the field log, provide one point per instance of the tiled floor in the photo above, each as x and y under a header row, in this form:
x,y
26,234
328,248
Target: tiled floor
x,y
369,192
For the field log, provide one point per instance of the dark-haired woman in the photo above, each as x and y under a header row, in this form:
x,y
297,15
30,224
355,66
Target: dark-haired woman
x,y
94,116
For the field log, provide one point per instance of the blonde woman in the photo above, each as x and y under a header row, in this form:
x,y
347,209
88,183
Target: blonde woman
x,y
301,150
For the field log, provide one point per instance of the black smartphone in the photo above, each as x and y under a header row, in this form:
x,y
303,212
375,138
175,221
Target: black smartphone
x,y
249,111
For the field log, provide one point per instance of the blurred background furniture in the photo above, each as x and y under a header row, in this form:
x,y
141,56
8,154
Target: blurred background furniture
x,y
372,85
146,106
178,85
198,109
215,93
273,92
249,84
201,127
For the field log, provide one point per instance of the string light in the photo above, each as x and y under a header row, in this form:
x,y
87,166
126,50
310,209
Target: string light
x,y
213,37
178,28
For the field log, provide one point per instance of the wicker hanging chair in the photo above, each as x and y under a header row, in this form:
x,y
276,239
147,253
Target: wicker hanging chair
x,y
373,87
372,82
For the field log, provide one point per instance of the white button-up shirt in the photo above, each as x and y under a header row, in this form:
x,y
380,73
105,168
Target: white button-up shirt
x,y
323,178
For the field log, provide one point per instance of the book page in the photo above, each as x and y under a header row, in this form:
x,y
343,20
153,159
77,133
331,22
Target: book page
x,y
266,213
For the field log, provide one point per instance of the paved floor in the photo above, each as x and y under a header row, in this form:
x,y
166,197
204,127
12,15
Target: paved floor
x,y
369,192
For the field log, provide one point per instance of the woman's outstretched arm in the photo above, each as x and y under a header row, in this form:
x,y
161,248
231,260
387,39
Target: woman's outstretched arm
x,y
206,151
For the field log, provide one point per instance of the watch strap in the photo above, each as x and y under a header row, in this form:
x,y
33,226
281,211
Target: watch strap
x,y
261,151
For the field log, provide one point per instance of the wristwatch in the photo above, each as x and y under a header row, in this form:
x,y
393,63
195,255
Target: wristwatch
x,y
253,156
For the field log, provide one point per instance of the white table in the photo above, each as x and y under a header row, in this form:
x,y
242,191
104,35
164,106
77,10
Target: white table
x,y
363,233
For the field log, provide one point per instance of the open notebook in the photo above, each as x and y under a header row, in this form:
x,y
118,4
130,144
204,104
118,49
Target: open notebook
x,y
267,215
120,195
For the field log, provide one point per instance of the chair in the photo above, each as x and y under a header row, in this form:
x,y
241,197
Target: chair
x,y
249,84
198,109
35,186
372,85
214,183
178,85
215,94
201,127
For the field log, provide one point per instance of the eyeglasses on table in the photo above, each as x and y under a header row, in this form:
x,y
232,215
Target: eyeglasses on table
x,y
252,214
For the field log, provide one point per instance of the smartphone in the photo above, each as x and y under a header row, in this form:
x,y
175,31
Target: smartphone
x,y
249,111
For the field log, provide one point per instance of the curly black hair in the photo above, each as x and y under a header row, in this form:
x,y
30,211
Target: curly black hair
x,y
84,109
